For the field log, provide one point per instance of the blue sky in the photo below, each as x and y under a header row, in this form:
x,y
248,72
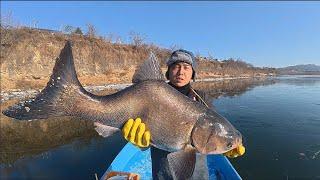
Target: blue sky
x,y
272,34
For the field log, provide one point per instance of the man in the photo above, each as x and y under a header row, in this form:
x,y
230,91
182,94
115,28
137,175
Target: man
x,y
181,70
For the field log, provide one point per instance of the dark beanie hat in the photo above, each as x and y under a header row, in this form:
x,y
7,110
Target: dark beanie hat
x,y
182,55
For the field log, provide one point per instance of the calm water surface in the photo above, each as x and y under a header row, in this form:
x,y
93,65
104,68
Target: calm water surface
x,y
281,128
279,119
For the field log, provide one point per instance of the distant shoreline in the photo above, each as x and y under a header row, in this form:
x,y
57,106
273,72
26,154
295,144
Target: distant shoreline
x,y
21,94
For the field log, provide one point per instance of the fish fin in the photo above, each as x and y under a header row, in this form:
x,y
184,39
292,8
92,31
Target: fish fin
x,y
50,101
149,70
104,130
182,163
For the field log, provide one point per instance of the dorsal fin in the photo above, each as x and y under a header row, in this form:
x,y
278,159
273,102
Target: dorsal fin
x,y
149,70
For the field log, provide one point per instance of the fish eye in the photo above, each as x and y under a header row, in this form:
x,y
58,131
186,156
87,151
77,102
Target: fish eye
x,y
229,145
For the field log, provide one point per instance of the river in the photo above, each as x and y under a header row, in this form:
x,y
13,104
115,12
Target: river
x,y
279,119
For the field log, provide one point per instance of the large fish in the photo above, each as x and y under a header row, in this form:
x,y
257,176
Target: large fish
x,y
177,123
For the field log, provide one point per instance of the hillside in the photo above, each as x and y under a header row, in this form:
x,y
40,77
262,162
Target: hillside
x,y
28,56
300,69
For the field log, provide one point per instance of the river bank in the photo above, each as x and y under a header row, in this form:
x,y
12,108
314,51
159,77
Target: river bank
x,y
112,87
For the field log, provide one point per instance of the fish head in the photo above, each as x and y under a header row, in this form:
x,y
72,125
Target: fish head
x,y
213,134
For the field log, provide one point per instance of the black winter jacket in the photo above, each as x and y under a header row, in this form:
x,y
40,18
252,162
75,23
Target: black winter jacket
x,y
159,157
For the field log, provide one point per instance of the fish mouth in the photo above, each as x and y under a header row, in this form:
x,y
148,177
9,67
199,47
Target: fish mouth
x,y
219,147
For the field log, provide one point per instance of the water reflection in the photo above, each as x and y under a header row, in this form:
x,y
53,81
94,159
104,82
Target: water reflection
x,y
232,87
22,138
306,80
280,125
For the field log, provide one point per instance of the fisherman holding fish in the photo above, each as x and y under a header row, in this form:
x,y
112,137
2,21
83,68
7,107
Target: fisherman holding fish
x,y
181,70
180,126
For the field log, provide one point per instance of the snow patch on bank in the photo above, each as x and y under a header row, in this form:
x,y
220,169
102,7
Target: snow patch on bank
x,y
23,94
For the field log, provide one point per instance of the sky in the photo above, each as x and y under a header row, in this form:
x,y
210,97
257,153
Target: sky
x,y
264,34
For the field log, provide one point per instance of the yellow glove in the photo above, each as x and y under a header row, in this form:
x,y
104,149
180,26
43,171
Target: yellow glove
x,y
135,132
239,151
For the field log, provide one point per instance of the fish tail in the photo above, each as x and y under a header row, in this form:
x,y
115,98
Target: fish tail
x,y
57,97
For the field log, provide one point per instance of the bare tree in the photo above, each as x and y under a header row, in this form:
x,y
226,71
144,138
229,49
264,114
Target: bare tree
x,y
197,55
68,29
92,31
77,31
175,47
137,39
7,21
210,56
109,38
118,40
34,23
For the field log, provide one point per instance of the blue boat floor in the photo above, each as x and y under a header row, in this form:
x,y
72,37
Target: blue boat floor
x,y
132,159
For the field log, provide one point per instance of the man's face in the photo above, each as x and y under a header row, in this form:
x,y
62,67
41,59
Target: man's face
x,y
180,74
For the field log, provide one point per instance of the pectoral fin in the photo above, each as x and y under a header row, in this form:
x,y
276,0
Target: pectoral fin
x,y
182,163
104,130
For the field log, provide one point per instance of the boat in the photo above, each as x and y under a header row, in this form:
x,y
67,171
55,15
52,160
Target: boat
x,y
132,160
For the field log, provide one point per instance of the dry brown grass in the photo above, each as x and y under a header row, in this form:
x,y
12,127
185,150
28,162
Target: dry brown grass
x,y
28,56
